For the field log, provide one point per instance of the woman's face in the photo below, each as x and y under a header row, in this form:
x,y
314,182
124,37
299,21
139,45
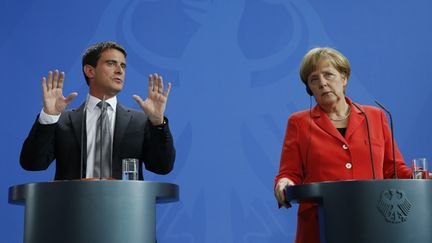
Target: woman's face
x,y
327,84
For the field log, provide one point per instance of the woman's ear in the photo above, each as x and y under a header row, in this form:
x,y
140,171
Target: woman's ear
x,y
344,79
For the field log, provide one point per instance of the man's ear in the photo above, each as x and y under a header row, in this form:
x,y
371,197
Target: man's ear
x,y
89,71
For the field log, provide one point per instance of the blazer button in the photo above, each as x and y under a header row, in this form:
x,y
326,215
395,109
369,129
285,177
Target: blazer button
x,y
345,146
348,165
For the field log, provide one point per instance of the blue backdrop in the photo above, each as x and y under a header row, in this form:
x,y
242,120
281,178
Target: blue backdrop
x,y
234,68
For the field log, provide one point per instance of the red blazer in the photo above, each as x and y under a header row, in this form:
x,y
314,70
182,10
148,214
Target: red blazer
x,y
315,151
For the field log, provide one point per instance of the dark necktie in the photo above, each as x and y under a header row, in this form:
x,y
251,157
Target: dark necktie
x,y
103,155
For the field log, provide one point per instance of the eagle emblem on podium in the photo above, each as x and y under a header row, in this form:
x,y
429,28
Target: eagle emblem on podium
x,y
394,206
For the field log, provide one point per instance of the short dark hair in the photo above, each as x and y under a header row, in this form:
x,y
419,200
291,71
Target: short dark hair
x,y
93,53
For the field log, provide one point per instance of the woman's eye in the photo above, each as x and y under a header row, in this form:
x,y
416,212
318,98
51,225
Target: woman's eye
x,y
312,81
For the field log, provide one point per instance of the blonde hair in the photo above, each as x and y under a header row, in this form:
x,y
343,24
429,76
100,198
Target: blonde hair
x,y
315,55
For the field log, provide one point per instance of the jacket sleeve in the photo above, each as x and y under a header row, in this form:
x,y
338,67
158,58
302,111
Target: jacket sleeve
x,y
159,151
291,164
37,152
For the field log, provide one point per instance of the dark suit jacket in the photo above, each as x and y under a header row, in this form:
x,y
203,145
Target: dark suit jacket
x,y
134,137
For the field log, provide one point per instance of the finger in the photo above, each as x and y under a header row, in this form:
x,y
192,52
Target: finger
x,y
44,85
49,81
282,198
55,79
277,194
150,84
137,99
70,97
160,85
167,90
60,81
281,191
156,83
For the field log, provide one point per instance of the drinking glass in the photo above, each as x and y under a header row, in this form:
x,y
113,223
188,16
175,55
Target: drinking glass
x,y
420,168
130,169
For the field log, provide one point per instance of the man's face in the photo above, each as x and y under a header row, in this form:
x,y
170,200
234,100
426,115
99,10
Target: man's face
x,y
107,78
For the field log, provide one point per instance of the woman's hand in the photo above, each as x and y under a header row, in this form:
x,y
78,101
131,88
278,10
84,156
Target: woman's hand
x,y
280,191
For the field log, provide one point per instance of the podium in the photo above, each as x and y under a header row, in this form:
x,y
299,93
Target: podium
x,y
372,211
91,211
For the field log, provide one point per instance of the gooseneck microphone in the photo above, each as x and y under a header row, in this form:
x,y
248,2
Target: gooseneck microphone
x,y
369,139
392,136
101,121
83,130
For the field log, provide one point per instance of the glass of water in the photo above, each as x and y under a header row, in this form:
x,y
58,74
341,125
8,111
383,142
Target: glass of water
x,y
420,168
130,169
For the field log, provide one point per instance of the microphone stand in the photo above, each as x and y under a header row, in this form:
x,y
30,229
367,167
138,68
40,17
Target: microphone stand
x,y
369,139
392,136
103,110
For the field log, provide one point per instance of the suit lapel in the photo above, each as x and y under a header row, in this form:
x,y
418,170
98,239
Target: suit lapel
x,y
322,120
76,118
355,120
123,116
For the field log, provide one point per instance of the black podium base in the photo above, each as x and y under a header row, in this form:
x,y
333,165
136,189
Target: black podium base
x,y
375,211
91,211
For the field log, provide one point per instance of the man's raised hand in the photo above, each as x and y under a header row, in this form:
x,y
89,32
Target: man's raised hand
x,y
155,103
54,102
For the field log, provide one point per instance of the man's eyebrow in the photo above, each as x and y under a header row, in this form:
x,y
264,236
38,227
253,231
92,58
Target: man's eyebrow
x,y
115,61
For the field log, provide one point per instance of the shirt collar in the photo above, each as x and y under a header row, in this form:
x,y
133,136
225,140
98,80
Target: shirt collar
x,y
93,101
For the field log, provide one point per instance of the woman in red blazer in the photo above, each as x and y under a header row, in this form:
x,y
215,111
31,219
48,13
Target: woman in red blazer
x,y
330,141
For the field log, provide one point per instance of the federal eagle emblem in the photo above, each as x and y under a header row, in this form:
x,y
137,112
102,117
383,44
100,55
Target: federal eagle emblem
x,y
394,206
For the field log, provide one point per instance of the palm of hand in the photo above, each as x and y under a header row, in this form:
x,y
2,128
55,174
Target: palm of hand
x,y
54,101
52,91
155,105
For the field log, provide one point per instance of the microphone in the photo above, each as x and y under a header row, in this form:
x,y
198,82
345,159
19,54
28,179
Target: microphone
x,y
392,136
369,139
83,122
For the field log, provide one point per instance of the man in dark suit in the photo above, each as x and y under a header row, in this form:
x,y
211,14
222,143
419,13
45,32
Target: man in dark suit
x,y
69,137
